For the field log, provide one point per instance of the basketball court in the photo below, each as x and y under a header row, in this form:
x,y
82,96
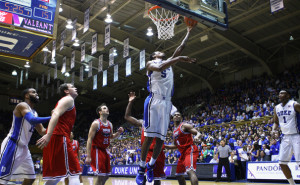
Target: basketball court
x,y
89,180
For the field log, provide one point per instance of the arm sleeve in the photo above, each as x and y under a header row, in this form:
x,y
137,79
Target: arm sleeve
x,y
35,120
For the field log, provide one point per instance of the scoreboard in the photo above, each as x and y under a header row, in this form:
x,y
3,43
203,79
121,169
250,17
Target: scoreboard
x,y
37,15
26,26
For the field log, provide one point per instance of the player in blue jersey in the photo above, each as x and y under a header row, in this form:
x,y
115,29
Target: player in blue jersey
x,y
286,114
157,106
15,158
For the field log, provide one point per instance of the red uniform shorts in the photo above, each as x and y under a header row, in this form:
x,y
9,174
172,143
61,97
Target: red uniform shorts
x,y
59,160
187,160
100,162
158,170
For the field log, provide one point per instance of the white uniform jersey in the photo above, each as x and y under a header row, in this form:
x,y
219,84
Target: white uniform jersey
x,y
287,117
21,130
161,83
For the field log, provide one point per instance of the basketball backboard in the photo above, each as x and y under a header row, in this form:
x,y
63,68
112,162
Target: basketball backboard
x,y
212,13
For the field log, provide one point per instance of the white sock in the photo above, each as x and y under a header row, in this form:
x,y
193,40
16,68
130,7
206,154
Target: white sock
x,y
74,180
81,183
152,161
291,181
52,182
143,164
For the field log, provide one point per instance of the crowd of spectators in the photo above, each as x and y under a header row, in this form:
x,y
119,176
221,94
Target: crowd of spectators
x,y
240,113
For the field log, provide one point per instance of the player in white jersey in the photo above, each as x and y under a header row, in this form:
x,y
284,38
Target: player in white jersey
x,y
157,106
15,158
286,114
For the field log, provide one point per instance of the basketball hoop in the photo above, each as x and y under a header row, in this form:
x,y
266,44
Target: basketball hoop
x,y
164,20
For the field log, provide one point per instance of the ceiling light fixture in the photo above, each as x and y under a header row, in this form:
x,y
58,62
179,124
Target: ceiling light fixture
x,y
53,61
14,73
45,49
27,65
69,24
216,63
181,75
108,18
76,43
60,8
291,38
115,52
149,31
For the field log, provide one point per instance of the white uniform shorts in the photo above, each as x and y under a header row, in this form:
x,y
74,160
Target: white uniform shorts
x,y
15,162
290,144
157,111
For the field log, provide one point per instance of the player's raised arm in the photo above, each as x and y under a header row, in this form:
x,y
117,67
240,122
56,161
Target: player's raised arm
x,y
131,120
91,136
118,133
22,110
297,107
180,48
63,105
189,128
152,66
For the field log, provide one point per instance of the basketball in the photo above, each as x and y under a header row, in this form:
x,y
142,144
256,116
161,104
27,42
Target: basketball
x,y
190,22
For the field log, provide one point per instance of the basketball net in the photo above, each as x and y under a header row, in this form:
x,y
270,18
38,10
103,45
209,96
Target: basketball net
x,y
164,20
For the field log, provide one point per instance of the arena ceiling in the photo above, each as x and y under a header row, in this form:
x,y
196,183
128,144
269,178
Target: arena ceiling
x,y
255,37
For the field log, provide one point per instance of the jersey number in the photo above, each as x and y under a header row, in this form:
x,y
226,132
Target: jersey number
x,y
284,120
105,141
164,74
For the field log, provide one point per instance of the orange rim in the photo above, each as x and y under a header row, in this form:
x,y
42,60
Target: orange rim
x,y
156,7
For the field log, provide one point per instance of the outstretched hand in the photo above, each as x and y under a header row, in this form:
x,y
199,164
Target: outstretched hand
x,y
189,28
121,130
187,59
43,142
131,96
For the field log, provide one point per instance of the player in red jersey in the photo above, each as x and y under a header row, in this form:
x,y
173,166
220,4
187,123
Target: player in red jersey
x,y
100,133
183,140
160,162
75,147
59,160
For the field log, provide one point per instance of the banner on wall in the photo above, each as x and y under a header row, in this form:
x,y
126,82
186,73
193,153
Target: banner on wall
x,y
64,65
104,81
126,48
55,72
81,74
82,52
111,57
45,57
95,82
62,39
100,63
90,69
107,35
116,71
74,32
133,170
21,77
276,5
94,43
53,49
142,59
86,20
128,66
72,65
